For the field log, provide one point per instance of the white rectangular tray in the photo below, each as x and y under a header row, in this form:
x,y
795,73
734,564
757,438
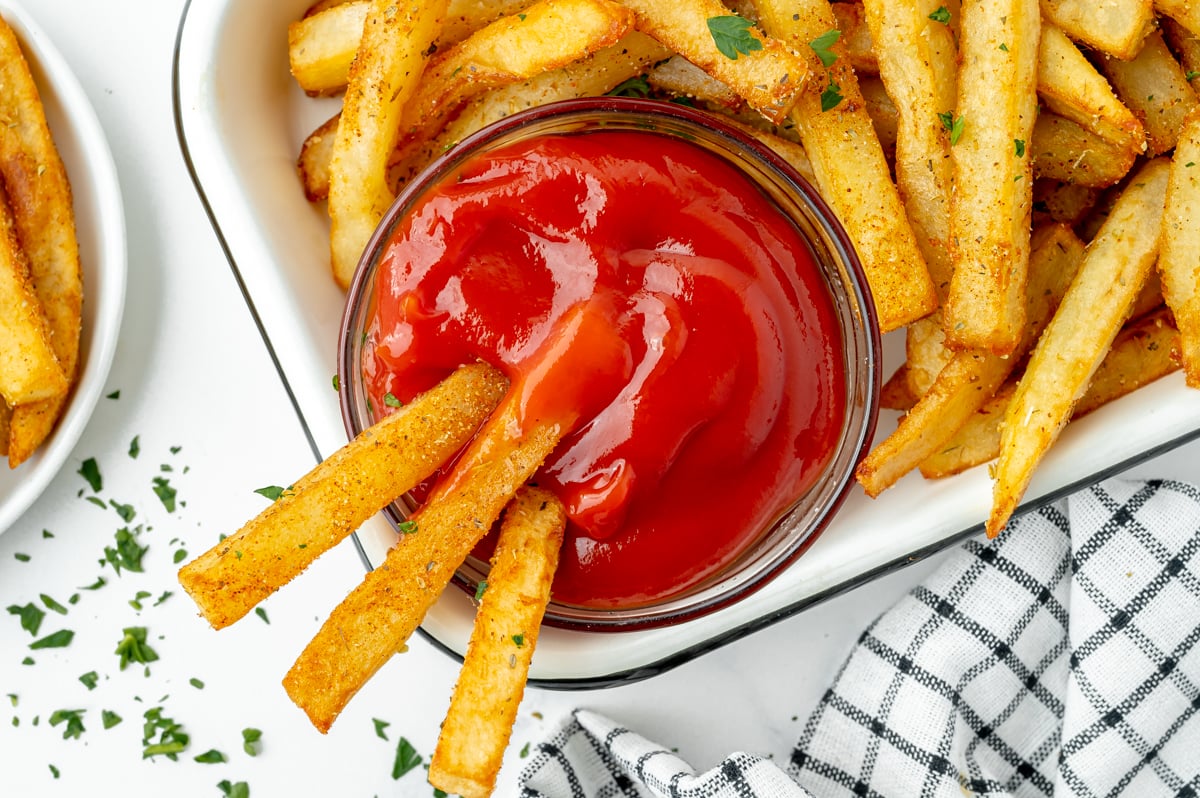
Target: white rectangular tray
x,y
241,120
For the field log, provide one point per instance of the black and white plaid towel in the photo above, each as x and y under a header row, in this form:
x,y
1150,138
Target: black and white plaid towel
x,y
1059,659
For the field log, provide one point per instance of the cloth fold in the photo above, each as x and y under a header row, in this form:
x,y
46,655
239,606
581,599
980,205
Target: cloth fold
x,y
1059,659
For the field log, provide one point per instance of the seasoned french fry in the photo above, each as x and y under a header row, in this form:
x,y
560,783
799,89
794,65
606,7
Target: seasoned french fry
x,y
315,156
885,116
1179,257
850,167
1144,351
395,45
548,35
1116,27
1070,86
681,77
970,378
1117,263
1063,150
1155,88
39,193
1186,46
384,462
29,371
856,37
479,722
380,614
993,176
769,78
1184,12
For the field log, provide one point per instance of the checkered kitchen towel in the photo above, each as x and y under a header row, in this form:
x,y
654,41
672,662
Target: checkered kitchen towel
x,y
1059,659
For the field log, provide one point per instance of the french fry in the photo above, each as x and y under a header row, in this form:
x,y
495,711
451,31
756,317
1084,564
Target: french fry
x,y
852,173
378,616
39,194
1155,88
681,77
1117,264
857,37
1145,350
385,461
970,378
993,176
885,116
395,45
1063,150
1070,86
1179,257
316,153
769,79
548,35
1186,46
1183,12
896,393
29,371
1058,201
490,685
1116,27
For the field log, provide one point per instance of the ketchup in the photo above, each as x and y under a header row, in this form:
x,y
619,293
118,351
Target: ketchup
x,y
648,296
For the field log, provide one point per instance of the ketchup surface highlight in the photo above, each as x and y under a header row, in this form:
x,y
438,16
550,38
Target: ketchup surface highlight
x,y
648,296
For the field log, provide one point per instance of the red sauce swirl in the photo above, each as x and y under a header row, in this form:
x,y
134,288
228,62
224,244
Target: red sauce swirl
x,y
647,295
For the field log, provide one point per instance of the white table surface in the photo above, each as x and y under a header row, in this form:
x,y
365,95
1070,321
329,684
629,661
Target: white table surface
x,y
193,373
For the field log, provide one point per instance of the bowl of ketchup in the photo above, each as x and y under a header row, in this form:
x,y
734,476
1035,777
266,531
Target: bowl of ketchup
x,y
674,292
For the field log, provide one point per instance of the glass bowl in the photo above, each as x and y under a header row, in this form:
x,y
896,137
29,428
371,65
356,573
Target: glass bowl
x,y
798,525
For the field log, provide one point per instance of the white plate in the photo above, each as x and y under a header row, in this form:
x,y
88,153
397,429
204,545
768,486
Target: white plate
x,y
241,121
100,224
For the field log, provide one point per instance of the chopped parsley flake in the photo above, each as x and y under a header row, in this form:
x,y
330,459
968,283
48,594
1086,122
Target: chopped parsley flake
x,y
171,741
831,97
525,750
90,680
127,554
942,15
211,757
380,725
519,640
273,492
953,124
165,493
73,718
636,86
337,383
126,511
31,616
21,557
251,741
821,45
133,647
407,758
390,400
51,604
407,527
60,639
234,790
732,36
91,472
480,589
114,395
261,613
109,718
135,447
1019,147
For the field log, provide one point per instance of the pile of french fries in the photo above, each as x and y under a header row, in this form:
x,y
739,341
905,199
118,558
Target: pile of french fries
x,y
1011,172
41,285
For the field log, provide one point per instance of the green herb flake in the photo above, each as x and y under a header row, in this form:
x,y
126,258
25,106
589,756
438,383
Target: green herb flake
x,y
1004,47
179,556
380,726
390,400
1192,75
519,640
136,601
109,718
60,639
166,594
637,86
133,648
480,589
99,583
73,718
126,511
47,534
821,45
273,492
162,736
251,741
407,757
31,616
21,557
135,447
91,472
407,527
90,680
211,757
954,124
51,604
525,750
942,15
337,383
194,682
165,493
127,554
114,395
732,36
831,97
233,790
261,613
1019,147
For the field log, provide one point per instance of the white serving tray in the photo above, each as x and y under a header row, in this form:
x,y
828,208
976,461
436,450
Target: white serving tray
x,y
241,120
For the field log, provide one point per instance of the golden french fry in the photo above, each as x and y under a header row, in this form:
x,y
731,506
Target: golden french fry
x,y
1116,27
917,59
895,393
852,172
926,352
1179,257
316,153
548,35
395,45
384,462
993,176
851,19
1142,352
39,194
681,77
1114,269
1185,44
322,45
1155,88
1070,86
380,614
970,378
1183,12
1064,150
490,685
769,78
29,370
885,116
